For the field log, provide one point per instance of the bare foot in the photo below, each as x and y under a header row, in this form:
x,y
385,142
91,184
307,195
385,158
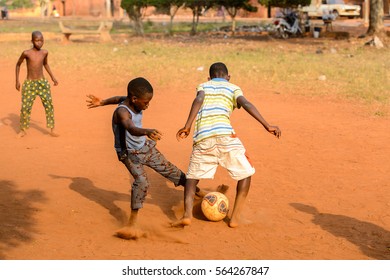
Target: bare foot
x,y
130,232
22,133
182,223
233,224
53,134
199,193
222,188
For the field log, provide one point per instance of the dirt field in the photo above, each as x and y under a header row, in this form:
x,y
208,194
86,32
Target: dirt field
x,y
320,192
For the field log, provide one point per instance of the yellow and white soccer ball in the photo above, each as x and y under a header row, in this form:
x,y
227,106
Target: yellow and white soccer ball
x,y
215,206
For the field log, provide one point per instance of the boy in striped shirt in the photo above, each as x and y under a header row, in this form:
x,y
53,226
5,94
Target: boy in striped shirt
x,y
214,140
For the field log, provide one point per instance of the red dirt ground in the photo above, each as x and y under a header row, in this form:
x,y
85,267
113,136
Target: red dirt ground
x,y
320,192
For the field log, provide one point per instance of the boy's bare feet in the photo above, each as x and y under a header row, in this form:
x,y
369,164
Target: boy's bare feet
x,y
130,232
182,222
53,134
200,193
222,188
233,223
22,133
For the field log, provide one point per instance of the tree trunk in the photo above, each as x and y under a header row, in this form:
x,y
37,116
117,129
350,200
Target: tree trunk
x,y
376,24
139,27
193,28
195,21
232,13
172,12
233,25
269,11
135,16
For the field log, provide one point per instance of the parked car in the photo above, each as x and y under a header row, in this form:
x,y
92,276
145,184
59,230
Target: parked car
x,y
318,8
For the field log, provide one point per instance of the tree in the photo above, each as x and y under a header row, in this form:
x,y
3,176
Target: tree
x,y
376,25
135,11
197,7
233,6
17,4
283,4
169,7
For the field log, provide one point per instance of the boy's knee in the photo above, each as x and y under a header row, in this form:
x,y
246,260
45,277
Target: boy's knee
x,y
182,180
141,183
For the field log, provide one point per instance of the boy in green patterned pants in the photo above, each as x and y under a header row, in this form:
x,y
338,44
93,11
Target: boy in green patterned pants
x,y
35,83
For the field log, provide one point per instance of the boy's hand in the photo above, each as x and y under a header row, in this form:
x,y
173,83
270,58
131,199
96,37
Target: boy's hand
x,y
55,82
182,133
154,134
275,131
93,101
17,86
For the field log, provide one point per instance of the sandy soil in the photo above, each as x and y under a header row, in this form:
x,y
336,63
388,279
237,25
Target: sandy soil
x,y
320,192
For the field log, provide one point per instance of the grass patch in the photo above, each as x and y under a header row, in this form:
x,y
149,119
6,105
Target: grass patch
x,y
353,72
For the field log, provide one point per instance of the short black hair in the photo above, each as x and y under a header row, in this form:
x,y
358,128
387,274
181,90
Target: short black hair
x,y
139,87
36,34
218,69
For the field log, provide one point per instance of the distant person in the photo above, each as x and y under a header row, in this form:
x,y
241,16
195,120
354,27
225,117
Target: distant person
x,y
136,147
35,84
55,12
215,141
4,13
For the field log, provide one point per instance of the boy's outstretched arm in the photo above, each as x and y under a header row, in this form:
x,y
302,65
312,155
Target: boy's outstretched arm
x,y
94,101
196,104
252,110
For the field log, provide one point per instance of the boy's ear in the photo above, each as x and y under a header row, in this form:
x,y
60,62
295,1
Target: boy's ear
x,y
228,78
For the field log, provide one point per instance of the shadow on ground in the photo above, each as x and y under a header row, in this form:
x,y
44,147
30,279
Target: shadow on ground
x,y
372,240
13,120
104,198
17,212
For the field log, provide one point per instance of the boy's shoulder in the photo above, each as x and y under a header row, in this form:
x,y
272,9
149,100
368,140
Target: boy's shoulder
x,y
33,50
222,82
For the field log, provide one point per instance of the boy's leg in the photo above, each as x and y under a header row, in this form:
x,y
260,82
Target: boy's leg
x,y
47,103
161,165
138,195
130,231
140,185
189,193
28,97
234,158
241,194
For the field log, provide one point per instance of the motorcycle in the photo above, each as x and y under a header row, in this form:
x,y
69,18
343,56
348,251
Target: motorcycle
x,y
288,25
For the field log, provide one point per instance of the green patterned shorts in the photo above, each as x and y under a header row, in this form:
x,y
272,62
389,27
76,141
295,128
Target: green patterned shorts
x,y
30,90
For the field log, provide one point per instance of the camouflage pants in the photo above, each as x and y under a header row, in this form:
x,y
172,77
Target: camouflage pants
x,y
30,90
151,157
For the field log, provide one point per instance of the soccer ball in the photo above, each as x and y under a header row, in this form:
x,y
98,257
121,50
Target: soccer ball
x,y
215,206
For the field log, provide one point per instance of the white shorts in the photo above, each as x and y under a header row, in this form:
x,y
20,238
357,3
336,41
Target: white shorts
x,y
226,151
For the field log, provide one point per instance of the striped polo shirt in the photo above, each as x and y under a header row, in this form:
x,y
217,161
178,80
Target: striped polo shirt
x,y
213,118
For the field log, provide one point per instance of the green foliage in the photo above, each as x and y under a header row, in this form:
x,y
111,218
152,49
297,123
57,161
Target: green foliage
x,y
236,5
164,6
199,4
129,4
197,7
134,10
284,3
17,4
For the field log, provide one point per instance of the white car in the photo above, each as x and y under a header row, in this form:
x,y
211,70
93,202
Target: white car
x,y
319,8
